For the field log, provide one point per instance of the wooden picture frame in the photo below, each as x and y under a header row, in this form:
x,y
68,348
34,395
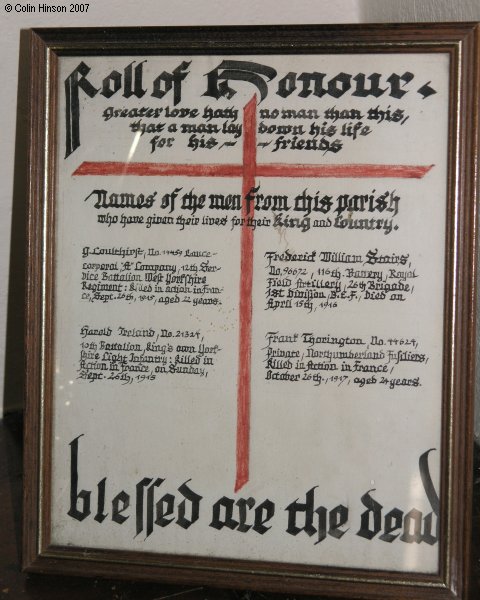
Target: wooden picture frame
x,y
353,104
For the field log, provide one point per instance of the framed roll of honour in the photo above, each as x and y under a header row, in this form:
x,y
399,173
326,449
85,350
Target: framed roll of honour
x,y
250,338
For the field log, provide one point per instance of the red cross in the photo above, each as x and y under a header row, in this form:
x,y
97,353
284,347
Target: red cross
x,y
248,170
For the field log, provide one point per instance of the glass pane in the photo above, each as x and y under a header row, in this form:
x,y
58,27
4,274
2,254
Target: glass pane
x,y
249,306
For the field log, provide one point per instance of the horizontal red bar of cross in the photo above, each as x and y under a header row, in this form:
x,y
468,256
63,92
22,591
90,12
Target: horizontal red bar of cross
x,y
354,171
248,170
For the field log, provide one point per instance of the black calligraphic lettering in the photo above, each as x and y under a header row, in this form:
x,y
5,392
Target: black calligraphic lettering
x,y
287,85
150,504
194,500
164,508
121,200
307,79
219,520
165,82
250,199
426,90
327,521
374,90
427,535
111,84
412,527
427,481
244,504
411,522
101,516
393,521
132,82
192,202
322,524
134,76
119,504
336,519
238,70
223,514
139,502
75,495
168,200
396,86
263,513
338,85
433,498
374,509
306,507
307,204
101,201
76,79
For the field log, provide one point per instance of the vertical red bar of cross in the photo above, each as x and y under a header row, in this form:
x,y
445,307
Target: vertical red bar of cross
x,y
249,169
245,305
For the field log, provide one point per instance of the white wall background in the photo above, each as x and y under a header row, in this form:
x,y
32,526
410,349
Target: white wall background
x,y
161,13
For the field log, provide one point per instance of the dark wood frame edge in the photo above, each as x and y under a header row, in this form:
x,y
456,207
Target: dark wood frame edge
x,y
39,556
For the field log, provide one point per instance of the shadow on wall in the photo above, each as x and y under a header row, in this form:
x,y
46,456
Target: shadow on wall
x,y
15,352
